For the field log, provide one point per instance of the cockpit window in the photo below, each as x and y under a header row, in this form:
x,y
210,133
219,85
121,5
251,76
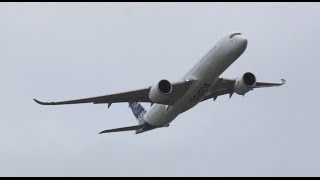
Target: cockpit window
x,y
234,34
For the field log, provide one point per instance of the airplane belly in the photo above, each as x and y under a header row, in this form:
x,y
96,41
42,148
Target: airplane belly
x,y
205,74
159,115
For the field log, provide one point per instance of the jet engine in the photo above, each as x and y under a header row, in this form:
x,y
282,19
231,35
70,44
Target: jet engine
x,y
160,91
245,83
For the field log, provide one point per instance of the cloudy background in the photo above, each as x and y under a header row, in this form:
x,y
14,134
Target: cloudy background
x,y
59,51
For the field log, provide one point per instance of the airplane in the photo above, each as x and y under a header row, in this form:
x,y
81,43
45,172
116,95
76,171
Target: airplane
x,y
169,99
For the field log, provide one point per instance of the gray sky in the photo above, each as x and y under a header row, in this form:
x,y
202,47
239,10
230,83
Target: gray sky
x,y
58,51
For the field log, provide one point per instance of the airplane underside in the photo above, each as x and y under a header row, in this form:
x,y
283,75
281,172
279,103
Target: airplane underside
x,y
201,83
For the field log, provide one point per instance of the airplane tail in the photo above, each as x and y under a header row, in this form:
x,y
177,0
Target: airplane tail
x,y
138,111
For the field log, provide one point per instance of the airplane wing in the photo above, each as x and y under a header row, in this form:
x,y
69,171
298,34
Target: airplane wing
x,y
261,84
141,95
225,86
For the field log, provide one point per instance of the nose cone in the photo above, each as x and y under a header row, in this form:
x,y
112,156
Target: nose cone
x,y
242,43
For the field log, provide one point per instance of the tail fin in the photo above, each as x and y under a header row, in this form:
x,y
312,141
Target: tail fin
x,y
138,111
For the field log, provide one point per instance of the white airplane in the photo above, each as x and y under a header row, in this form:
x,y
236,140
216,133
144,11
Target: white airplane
x,y
201,83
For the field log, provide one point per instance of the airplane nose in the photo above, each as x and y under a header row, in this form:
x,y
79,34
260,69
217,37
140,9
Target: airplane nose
x,y
242,42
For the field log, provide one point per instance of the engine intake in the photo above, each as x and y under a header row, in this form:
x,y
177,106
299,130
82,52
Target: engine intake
x,y
245,83
165,86
160,91
249,79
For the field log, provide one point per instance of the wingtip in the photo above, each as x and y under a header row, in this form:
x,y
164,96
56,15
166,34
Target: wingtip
x,y
283,81
39,102
102,132
35,100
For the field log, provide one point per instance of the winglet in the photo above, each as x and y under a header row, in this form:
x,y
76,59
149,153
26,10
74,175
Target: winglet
x,y
43,103
283,81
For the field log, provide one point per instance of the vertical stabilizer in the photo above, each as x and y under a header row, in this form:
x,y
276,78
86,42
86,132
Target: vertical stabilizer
x,y
138,111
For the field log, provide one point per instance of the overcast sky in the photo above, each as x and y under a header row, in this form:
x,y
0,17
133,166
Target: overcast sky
x,y
59,51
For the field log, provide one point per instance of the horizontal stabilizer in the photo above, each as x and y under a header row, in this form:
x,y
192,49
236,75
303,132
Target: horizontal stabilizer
x,y
130,128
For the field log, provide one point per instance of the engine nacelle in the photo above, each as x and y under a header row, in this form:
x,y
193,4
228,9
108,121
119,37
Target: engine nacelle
x,y
160,91
245,83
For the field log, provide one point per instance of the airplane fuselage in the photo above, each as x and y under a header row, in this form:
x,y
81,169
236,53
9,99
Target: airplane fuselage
x,y
204,75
